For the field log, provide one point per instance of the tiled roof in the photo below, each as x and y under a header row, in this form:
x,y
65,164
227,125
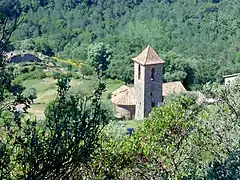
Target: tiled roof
x,y
172,87
148,57
124,96
127,95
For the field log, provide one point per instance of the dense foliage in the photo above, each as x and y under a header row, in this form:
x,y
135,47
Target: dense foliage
x,y
181,139
57,147
99,56
203,34
10,93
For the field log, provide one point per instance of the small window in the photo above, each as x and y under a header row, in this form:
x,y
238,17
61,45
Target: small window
x,y
150,93
139,71
153,74
153,104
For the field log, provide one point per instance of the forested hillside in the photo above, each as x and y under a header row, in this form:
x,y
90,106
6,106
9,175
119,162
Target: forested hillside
x,y
187,137
198,39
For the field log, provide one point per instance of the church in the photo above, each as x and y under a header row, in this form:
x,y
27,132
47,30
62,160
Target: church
x,y
148,91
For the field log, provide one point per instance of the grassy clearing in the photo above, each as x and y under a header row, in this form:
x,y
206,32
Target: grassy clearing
x,y
47,91
112,85
118,128
131,123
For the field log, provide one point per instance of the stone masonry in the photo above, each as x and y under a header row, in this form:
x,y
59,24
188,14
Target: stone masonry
x,y
148,79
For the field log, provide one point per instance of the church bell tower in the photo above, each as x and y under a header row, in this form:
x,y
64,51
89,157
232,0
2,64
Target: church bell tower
x,y
148,79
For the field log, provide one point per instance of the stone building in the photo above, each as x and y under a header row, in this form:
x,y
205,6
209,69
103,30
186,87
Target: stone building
x,y
124,99
137,102
172,87
230,79
148,78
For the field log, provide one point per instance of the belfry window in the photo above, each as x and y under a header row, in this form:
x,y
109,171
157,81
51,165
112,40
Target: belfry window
x,y
139,71
153,104
153,74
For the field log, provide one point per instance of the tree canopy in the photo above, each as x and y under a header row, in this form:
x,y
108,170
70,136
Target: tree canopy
x,y
181,139
204,33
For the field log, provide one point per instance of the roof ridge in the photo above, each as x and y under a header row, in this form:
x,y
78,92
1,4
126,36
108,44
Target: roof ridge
x,y
173,82
146,58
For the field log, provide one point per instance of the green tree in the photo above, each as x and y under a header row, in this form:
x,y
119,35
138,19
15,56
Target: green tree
x,y
205,33
86,71
170,144
176,68
124,73
43,47
225,169
10,94
99,56
30,94
64,143
57,147
224,117
27,44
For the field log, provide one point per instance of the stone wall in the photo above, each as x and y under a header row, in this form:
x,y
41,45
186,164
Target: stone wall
x,y
125,112
139,88
153,87
148,89
230,80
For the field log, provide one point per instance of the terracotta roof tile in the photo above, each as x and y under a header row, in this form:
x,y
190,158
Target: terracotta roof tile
x,y
172,87
124,96
148,56
127,95
119,90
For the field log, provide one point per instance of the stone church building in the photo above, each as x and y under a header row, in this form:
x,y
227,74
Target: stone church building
x,y
148,91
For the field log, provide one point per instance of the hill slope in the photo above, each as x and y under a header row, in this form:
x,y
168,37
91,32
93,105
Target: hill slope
x,y
201,37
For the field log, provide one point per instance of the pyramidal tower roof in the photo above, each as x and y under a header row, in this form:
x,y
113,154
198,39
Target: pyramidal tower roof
x,y
148,57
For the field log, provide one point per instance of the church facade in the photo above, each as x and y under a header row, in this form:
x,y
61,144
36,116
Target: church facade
x,y
137,102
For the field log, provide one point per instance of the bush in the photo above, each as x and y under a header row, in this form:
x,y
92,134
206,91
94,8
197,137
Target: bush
x,y
32,68
62,144
86,71
24,70
56,75
75,69
38,74
109,95
225,169
30,93
76,76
